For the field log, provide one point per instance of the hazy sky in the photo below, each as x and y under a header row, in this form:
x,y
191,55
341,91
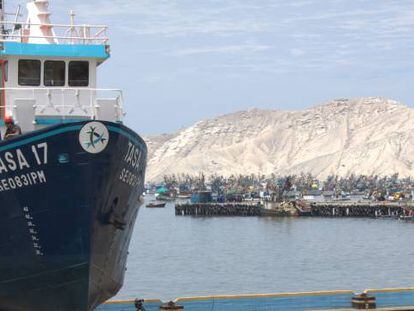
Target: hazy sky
x,y
180,61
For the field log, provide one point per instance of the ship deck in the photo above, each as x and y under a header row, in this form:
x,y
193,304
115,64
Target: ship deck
x,y
386,299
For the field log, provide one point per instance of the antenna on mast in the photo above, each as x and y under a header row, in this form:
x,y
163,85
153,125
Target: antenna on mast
x,y
72,30
16,17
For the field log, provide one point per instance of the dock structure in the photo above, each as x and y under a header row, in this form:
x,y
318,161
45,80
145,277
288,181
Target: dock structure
x,y
294,209
342,300
359,209
213,209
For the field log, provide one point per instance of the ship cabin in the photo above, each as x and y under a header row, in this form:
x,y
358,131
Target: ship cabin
x,y
48,72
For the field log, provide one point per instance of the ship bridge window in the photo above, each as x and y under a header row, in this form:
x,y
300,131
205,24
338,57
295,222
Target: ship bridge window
x,y
29,72
78,73
54,73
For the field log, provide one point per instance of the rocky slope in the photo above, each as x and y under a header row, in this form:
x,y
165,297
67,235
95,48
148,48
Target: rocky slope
x,y
362,136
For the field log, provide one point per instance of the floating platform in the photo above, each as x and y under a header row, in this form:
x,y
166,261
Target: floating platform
x,y
386,299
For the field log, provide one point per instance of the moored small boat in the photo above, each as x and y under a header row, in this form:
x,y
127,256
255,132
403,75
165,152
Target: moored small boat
x,y
165,198
184,196
407,218
156,205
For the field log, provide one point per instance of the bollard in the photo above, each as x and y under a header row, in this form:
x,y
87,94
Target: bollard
x,y
171,306
364,302
139,304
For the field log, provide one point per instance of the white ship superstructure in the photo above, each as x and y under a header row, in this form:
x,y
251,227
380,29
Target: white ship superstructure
x,y
49,71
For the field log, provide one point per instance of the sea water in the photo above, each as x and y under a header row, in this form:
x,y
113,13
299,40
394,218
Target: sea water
x,y
174,256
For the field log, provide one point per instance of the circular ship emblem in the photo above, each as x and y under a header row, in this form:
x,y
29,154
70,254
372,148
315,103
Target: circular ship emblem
x,y
94,137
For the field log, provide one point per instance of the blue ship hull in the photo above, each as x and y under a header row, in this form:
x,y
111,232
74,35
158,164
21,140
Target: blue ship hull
x,y
69,198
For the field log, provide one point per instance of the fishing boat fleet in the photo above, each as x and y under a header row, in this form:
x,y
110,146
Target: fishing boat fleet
x,y
71,182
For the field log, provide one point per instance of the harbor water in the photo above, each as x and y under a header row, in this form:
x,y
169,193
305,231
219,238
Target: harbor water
x,y
188,256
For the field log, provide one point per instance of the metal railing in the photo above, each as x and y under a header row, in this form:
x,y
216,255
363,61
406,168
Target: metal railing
x,y
64,102
64,34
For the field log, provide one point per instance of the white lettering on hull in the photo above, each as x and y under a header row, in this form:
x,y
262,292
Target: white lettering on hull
x,y
17,162
23,180
129,178
133,156
132,159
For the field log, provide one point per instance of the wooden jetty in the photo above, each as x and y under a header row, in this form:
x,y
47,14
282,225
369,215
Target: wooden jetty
x,y
293,209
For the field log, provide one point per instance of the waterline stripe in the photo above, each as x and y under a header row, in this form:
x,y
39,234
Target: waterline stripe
x,y
127,135
65,130
40,137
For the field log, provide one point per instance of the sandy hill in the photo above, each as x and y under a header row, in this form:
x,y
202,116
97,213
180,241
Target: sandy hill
x,y
367,136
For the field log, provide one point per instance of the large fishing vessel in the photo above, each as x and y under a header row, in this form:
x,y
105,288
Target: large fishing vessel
x,y
70,186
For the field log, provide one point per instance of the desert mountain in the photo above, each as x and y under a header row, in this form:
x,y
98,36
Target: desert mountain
x,y
361,136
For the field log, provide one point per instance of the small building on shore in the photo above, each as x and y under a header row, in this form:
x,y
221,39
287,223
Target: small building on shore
x,y
328,195
291,195
201,197
313,195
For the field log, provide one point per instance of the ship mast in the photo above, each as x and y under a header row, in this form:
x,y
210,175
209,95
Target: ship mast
x,y
40,28
1,18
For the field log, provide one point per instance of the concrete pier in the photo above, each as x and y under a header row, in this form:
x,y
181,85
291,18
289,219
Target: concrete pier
x,y
391,299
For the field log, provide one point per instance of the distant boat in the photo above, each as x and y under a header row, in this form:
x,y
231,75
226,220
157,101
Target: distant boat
x,y
156,205
407,218
162,197
184,196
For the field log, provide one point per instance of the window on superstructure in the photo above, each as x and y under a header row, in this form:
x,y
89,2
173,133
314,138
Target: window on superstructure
x,y
78,73
54,73
29,72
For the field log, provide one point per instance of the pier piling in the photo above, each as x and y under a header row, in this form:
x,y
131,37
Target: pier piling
x,y
289,209
209,210
357,209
